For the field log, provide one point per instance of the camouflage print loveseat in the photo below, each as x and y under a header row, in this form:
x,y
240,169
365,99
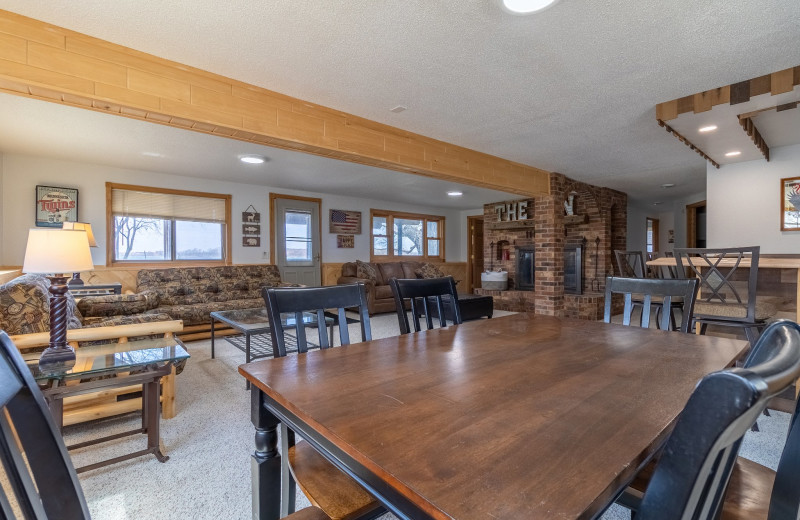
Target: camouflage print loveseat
x,y
189,293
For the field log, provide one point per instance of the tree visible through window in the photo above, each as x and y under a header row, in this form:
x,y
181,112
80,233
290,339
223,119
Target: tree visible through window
x,y
151,225
410,235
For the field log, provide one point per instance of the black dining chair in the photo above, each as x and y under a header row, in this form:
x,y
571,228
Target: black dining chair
x,y
723,300
741,489
422,295
649,294
630,263
327,488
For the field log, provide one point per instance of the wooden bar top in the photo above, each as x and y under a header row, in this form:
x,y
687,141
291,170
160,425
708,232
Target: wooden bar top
x,y
521,416
763,262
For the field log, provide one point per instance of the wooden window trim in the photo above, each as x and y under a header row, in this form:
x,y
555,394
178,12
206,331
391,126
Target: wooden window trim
x,y
227,254
390,216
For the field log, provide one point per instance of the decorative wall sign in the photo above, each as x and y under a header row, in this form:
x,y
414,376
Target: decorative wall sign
x,y
251,229
671,236
54,206
251,241
251,216
345,241
790,204
342,221
512,211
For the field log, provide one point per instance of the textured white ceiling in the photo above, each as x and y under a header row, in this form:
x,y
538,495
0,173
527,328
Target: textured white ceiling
x,y
571,89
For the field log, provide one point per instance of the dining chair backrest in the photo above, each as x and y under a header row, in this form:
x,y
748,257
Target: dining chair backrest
x,y
32,451
717,269
423,294
785,499
650,294
692,474
630,263
316,300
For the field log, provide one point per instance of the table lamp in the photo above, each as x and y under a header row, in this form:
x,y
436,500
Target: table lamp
x,y
53,252
81,226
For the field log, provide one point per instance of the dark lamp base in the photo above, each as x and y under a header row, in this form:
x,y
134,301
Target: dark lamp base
x,y
76,280
57,355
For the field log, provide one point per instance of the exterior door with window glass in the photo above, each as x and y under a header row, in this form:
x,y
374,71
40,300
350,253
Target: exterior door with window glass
x,y
297,236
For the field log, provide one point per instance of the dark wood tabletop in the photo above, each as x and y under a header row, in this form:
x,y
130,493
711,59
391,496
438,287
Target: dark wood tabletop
x,y
521,416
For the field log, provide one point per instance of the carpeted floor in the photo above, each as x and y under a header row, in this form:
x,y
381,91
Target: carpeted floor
x,y
210,440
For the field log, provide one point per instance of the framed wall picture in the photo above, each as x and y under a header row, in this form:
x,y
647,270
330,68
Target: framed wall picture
x,y
54,206
251,229
251,217
345,241
251,241
790,204
343,221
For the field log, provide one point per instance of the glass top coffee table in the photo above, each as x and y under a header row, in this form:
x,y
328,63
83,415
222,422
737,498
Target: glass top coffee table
x,y
254,332
113,365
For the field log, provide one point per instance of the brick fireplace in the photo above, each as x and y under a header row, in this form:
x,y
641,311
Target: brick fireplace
x,y
598,225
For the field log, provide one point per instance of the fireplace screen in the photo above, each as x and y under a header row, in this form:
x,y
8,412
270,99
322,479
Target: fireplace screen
x,y
573,269
525,268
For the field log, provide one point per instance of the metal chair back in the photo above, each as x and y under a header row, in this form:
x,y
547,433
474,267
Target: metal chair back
x,y
649,294
422,295
42,482
630,263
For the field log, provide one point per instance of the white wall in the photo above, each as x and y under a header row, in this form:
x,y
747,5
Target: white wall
x,y
744,203
19,174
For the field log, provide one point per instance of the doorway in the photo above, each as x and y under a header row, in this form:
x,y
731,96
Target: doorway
x,y
651,236
696,224
474,251
295,232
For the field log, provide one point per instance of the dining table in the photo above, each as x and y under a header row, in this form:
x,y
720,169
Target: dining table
x,y
520,416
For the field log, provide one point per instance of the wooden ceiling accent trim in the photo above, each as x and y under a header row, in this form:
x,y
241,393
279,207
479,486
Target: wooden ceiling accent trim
x,y
775,83
778,108
750,129
687,143
55,64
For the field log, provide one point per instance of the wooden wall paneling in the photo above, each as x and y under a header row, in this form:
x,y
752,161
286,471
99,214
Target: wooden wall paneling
x,y
331,273
63,66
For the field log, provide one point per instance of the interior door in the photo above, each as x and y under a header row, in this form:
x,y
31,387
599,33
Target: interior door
x,y
297,241
474,251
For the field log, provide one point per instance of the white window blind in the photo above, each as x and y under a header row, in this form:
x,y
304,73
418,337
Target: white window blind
x,y
132,203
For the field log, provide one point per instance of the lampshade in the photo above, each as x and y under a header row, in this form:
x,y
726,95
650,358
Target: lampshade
x,y
57,251
82,226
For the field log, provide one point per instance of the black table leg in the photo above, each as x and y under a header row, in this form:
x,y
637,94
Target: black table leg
x,y
265,464
247,355
212,338
152,411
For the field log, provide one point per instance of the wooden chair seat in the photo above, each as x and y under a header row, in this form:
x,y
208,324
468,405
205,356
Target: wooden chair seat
x,y
326,486
765,309
748,493
309,513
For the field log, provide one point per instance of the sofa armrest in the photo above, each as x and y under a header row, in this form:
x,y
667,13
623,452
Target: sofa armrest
x,y
119,304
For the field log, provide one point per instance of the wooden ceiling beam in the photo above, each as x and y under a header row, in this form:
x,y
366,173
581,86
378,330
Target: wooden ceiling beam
x,y
688,143
47,62
775,83
750,129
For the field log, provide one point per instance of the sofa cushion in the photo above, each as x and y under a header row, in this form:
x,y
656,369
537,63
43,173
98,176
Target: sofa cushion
x,y
383,291
366,270
118,304
391,270
428,270
25,306
197,314
349,269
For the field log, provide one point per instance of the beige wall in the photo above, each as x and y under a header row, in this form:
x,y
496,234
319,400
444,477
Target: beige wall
x,y
21,173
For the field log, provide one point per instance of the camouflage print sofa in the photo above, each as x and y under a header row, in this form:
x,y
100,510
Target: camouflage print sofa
x,y
25,309
189,293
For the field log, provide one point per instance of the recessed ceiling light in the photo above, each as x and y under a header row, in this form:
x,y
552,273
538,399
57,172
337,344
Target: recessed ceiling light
x,y
733,153
526,6
668,185
709,128
252,159
152,154
398,109
657,203
454,193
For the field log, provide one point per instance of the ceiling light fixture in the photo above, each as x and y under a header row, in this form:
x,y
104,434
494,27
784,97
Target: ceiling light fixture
x,y
252,159
709,128
398,109
454,193
733,153
656,203
522,7
668,185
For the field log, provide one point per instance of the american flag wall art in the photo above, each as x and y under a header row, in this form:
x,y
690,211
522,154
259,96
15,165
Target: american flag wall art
x,y
345,222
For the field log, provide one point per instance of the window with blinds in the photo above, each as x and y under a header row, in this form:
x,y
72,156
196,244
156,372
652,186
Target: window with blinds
x,y
158,225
